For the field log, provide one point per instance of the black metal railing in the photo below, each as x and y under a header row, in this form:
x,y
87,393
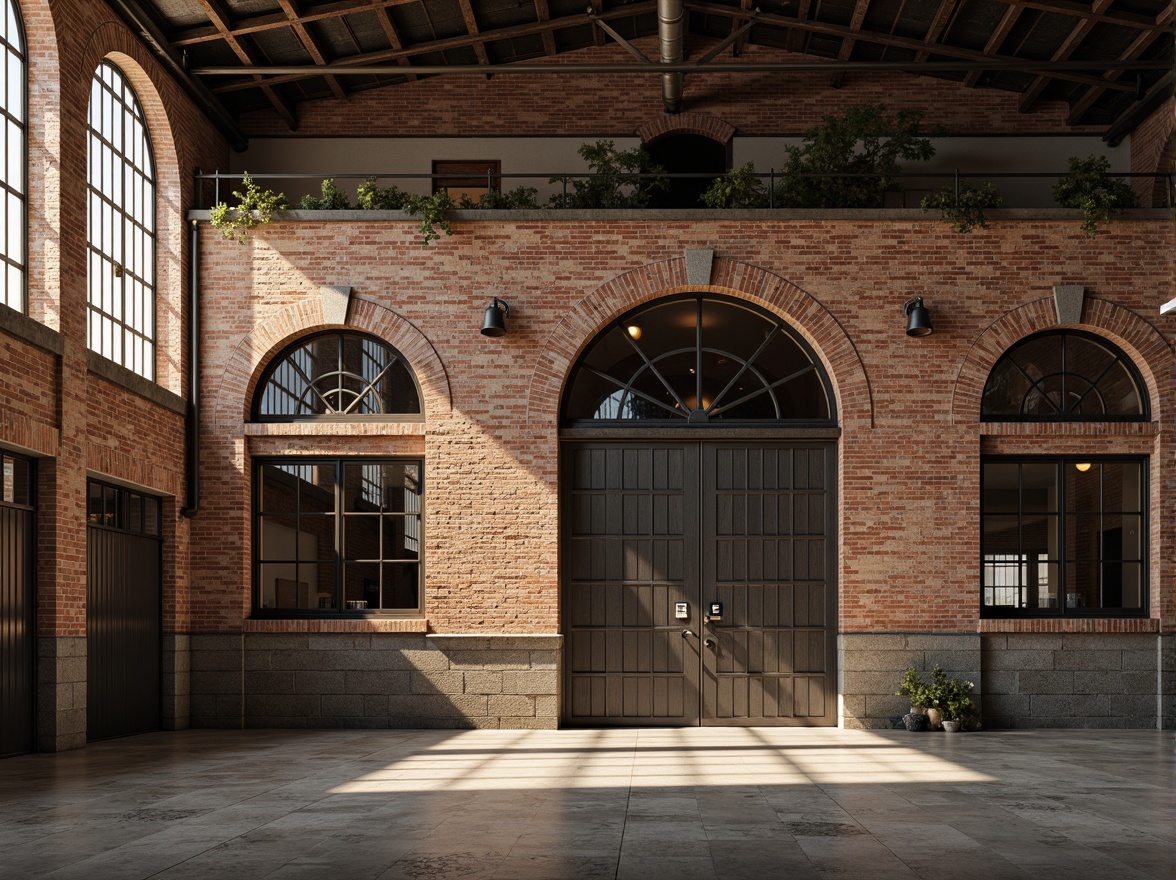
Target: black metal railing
x,y
209,189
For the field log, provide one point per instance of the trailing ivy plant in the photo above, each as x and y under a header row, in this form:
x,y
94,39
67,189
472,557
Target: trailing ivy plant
x,y
963,211
738,188
433,210
254,205
863,141
332,199
434,213
1090,188
620,178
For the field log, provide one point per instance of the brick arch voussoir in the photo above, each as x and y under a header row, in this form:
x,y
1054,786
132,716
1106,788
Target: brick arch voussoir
x,y
847,374
687,123
1151,353
254,352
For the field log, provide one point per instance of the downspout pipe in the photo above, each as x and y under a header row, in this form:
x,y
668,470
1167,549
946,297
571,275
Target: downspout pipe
x,y
192,425
671,26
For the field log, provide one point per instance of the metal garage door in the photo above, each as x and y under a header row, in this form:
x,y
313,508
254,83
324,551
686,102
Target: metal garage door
x,y
124,607
746,526
17,618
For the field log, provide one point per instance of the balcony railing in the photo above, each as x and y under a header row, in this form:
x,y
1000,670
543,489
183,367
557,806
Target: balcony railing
x,y
1018,189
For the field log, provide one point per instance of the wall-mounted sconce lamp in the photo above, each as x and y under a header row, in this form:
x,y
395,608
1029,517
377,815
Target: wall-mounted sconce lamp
x,y
495,322
919,319
1082,466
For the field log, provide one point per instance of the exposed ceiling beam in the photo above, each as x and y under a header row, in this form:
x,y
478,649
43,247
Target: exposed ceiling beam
x,y
543,13
310,44
471,23
220,20
273,20
390,33
938,27
999,34
846,49
1140,110
1137,48
597,9
795,39
1030,96
1089,12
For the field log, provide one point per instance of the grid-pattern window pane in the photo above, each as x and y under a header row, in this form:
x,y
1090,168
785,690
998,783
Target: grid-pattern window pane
x,y
1063,537
13,216
338,536
121,221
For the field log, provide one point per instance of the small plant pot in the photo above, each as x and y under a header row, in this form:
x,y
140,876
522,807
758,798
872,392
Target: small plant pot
x,y
915,721
951,726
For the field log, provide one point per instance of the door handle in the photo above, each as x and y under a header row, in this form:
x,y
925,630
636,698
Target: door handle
x,y
710,643
687,634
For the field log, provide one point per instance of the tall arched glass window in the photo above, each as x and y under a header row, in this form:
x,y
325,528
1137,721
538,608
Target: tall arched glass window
x,y
696,360
13,233
121,188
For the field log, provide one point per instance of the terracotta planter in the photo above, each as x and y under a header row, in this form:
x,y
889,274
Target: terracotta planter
x,y
935,718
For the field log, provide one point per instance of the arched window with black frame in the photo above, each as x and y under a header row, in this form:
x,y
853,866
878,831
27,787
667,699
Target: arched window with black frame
x,y
699,359
338,536
1065,534
1064,375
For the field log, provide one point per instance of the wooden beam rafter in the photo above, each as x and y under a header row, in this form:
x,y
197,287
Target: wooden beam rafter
x,y
846,50
310,44
995,40
220,20
543,13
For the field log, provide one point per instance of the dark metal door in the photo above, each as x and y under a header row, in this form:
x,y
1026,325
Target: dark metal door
x,y
123,632
750,526
631,520
17,630
768,559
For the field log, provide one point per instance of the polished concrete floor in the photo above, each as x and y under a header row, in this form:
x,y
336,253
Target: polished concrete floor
x,y
676,804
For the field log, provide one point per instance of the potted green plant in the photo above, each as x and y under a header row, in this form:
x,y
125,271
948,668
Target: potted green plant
x,y
738,188
962,207
620,179
912,686
1090,188
950,697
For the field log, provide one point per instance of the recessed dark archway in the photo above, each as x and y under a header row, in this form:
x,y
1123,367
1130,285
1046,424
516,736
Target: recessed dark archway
x,y
687,154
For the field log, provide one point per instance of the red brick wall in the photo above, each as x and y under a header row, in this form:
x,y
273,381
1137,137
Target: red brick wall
x,y
755,104
95,424
909,455
1151,151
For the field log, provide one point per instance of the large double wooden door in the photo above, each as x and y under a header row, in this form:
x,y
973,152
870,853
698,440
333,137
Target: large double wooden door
x,y
653,531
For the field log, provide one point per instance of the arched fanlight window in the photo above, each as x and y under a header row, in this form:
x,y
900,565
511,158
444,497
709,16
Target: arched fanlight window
x,y
1064,375
12,171
121,176
697,360
341,374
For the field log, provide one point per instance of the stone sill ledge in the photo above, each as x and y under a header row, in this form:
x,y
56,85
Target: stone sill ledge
x,y
716,215
1057,625
356,625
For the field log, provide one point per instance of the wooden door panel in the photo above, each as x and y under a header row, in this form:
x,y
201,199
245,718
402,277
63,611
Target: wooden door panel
x,y
767,540
631,554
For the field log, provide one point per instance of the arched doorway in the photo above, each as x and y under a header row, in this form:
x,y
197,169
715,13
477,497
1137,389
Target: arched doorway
x,y
698,492
687,154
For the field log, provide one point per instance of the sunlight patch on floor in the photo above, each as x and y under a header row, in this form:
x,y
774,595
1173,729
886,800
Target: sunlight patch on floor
x,y
513,760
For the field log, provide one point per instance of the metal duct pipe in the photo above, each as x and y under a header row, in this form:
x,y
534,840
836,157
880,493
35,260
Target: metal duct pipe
x,y
671,26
